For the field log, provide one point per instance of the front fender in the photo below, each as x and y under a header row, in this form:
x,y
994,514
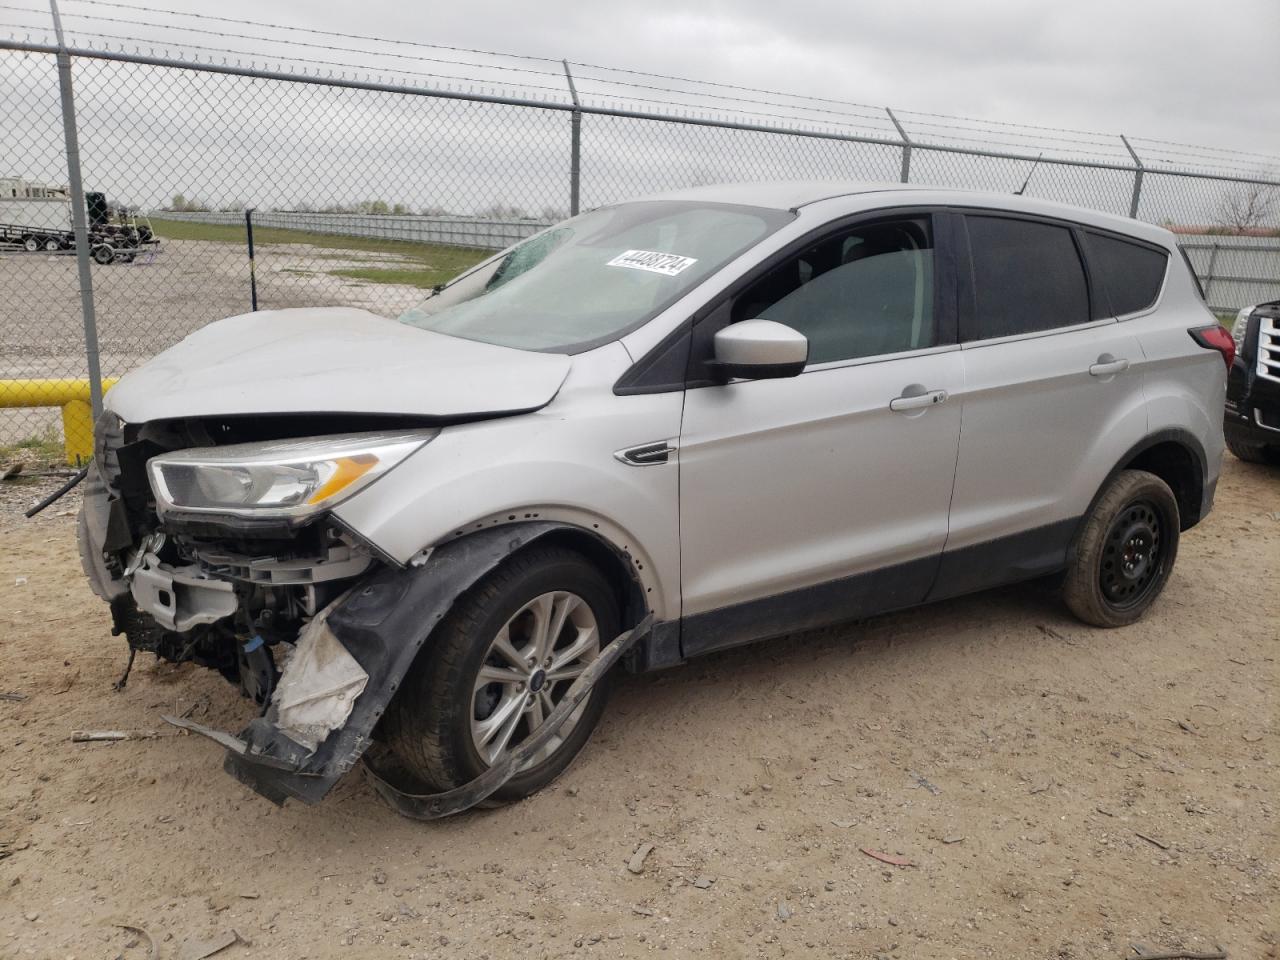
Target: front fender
x,y
558,464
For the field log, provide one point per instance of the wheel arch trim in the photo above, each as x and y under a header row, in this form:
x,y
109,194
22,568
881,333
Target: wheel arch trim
x,y
596,533
1190,443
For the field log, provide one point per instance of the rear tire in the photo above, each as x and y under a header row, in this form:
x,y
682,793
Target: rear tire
x,y
103,254
1254,452
31,245
431,727
1125,552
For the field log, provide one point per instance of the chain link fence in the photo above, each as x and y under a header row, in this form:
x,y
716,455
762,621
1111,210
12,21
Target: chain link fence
x,y
211,189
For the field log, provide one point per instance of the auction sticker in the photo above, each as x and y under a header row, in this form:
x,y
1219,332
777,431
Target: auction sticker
x,y
667,264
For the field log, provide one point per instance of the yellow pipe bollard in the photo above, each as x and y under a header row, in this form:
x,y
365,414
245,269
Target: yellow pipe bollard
x,y
72,396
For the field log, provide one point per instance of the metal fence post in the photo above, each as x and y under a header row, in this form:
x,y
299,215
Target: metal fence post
x,y
1137,178
1208,273
906,147
79,223
253,276
575,145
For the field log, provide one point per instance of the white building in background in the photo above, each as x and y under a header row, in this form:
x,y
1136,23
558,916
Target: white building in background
x,y
16,187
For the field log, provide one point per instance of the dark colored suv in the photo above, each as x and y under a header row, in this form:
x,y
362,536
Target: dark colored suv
x,y
1252,421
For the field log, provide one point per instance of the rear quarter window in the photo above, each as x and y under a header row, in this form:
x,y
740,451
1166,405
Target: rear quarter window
x,y
1130,275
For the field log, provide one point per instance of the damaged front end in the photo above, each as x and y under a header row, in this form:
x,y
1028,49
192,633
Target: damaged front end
x,y
312,624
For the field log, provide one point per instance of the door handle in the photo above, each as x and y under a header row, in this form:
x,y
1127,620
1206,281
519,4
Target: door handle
x,y
918,401
1107,366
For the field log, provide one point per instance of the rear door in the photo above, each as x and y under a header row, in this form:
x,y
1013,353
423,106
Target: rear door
x,y
1053,399
824,496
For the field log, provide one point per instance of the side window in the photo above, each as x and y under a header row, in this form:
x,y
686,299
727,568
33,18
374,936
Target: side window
x,y
863,292
1129,274
1027,277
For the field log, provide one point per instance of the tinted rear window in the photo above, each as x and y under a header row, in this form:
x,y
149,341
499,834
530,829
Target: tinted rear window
x,y
1130,274
1027,277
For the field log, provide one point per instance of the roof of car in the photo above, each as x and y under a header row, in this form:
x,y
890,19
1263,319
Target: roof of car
x,y
781,194
790,195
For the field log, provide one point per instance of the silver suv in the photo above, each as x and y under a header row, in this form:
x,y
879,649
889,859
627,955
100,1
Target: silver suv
x,y
659,429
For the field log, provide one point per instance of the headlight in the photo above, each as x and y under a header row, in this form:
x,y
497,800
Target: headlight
x,y
1240,327
291,479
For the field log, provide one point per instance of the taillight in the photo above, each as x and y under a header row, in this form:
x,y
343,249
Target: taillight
x,y
1216,337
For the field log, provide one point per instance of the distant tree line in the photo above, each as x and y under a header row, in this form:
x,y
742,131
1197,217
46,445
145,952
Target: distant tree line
x,y
181,203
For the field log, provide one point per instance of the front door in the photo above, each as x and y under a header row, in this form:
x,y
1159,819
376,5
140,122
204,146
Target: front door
x,y
824,496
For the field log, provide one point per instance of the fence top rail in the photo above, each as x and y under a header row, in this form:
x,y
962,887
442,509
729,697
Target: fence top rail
x,y
672,118
1228,241
1230,247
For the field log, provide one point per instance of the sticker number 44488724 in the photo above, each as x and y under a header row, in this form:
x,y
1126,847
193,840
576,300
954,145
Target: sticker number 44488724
x,y
668,264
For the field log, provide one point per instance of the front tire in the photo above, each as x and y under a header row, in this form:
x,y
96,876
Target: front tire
x,y
1125,551
495,667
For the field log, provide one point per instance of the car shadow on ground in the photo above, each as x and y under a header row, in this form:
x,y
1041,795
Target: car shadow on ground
x,y
1029,603
652,707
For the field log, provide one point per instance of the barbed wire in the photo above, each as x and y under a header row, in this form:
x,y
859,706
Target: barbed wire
x,y
557,73
360,70
312,30
310,46
1204,152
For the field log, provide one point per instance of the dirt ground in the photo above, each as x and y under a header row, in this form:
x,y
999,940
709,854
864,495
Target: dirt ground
x,y
1059,791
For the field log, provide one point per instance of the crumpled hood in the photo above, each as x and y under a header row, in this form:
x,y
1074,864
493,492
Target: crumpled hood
x,y
334,360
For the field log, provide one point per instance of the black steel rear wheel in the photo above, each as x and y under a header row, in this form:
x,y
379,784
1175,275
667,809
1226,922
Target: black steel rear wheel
x,y
1125,551
1131,555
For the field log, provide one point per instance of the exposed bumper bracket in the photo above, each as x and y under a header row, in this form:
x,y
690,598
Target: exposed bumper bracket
x,y
232,743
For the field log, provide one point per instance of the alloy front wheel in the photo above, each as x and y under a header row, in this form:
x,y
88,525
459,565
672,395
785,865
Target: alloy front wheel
x,y
497,666
531,663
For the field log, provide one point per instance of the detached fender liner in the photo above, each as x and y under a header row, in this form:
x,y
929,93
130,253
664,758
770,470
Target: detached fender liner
x,y
383,623
438,805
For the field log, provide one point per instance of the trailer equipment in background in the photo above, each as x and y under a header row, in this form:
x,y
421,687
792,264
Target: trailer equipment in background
x,y
43,224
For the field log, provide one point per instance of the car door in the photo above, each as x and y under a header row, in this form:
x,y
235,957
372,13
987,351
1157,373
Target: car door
x,y
824,496
1053,400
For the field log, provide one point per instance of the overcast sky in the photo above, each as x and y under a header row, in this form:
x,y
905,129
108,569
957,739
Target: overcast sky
x,y
1203,73
1170,70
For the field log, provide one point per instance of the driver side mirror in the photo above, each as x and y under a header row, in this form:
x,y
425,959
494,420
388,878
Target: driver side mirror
x,y
759,350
